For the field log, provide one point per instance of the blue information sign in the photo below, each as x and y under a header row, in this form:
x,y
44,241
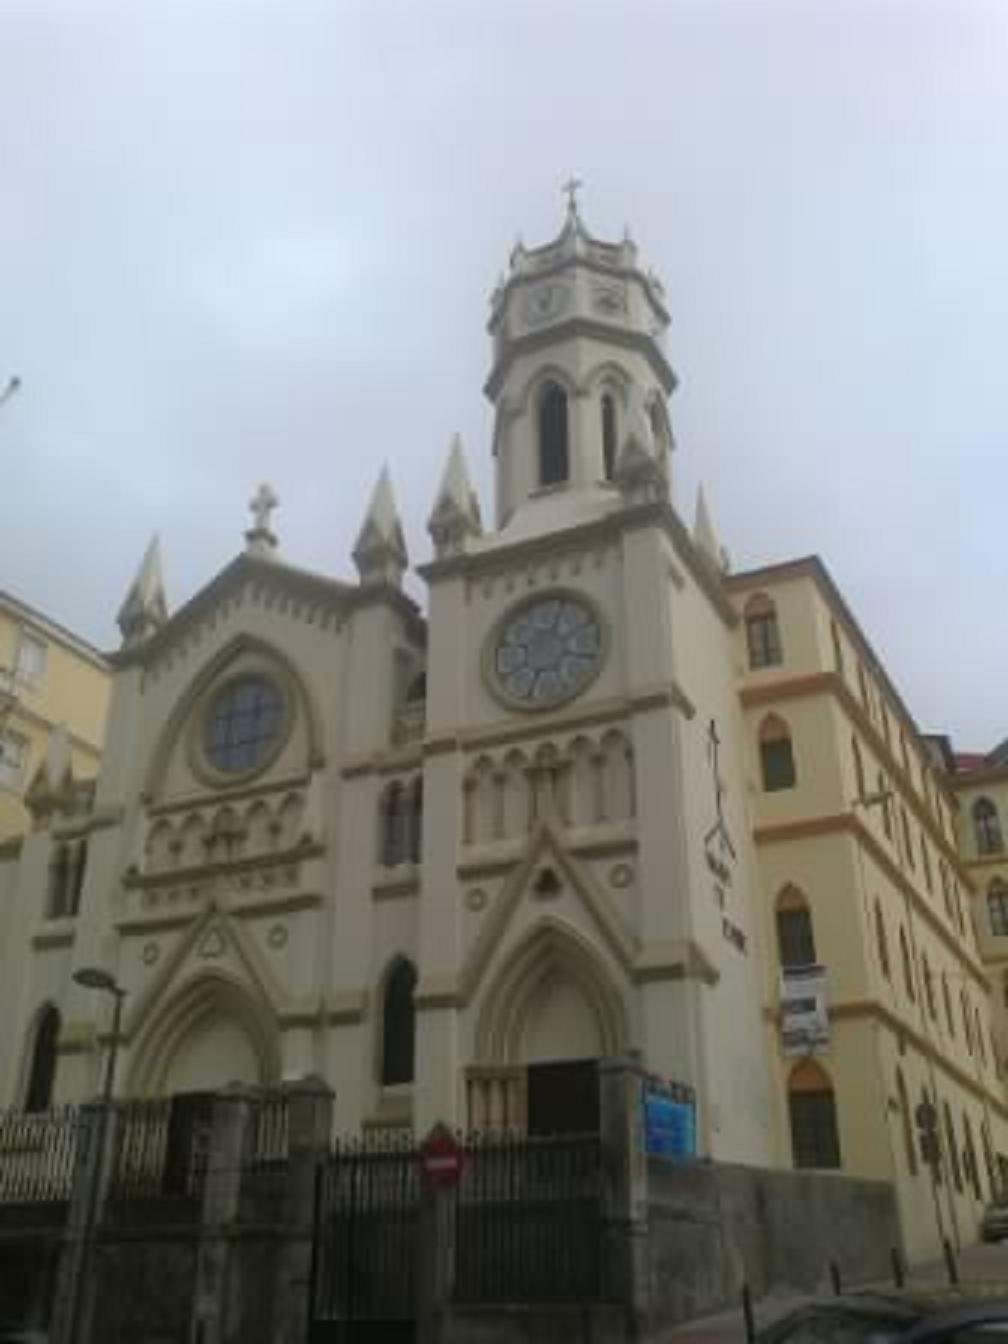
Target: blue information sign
x,y
669,1125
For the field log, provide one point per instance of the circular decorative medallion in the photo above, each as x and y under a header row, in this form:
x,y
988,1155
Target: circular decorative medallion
x,y
476,899
150,953
277,936
546,650
621,875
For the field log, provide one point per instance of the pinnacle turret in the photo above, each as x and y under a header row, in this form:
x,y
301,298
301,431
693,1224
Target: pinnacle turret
x,y
144,609
380,550
456,512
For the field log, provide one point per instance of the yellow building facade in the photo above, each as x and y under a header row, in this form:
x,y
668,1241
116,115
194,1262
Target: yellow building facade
x,y
49,678
866,915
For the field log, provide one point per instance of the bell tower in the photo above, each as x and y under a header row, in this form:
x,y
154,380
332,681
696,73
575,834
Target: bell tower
x,y
577,329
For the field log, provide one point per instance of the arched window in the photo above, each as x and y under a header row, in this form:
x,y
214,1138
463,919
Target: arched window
x,y
390,820
609,435
762,632
908,978
776,755
660,430
60,879
77,876
42,1074
970,1157
987,827
815,1141
838,658
553,451
859,775
795,939
949,1019
416,821
907,1122
881,941
997,906
883,790
953,1147
929,994
398,1024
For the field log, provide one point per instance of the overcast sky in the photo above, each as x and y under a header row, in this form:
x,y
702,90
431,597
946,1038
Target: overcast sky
x,y
255,239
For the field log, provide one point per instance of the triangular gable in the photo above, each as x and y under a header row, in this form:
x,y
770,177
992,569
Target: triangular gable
x,y
545,847
260,979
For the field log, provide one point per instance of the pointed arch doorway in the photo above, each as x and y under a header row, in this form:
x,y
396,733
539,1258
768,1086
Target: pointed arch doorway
x,y
548,1018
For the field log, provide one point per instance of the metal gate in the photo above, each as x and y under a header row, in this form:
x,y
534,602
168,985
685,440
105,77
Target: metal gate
x,y
363,1282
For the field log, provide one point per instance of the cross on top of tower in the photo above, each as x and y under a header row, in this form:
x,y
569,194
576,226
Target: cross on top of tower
x,y
570,189
260,537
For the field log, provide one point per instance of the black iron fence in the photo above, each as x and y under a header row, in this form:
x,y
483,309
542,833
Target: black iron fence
x,y
367,1202
37,1155
159,1154
528,1220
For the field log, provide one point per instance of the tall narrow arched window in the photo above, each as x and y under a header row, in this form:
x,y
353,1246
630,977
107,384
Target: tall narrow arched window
x,y
795,938
776,755
416,820
859,775
953,1147
59,877
997,906
762,632
609,435
390,815
906,1120
42,1072
987,827
815,1140
908,977
929,994
398,1024
554,455
77,877
881,941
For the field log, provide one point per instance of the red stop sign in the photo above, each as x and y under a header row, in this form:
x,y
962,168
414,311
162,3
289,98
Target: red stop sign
x,y
441,1157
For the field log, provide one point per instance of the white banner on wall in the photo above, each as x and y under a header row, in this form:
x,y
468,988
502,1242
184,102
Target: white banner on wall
x,y
804,1011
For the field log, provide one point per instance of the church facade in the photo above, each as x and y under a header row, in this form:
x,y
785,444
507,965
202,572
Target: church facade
x,y
449,860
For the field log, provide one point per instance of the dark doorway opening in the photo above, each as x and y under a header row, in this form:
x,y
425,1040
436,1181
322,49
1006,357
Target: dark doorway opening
x,y
563,1098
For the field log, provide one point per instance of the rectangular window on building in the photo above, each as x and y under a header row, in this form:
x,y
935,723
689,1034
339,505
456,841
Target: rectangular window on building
x,y
13,755
764,639
29,666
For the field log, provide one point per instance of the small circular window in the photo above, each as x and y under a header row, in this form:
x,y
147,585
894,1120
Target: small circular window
x,y
243,724
546,650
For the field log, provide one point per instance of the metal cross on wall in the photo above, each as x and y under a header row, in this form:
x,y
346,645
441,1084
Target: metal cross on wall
x,y
720,828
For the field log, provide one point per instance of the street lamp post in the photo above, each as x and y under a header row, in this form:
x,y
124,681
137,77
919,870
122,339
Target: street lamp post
x,y
93,977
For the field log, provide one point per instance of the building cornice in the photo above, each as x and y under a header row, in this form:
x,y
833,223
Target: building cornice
x,y
812,567
846,823
831,683
52,630
981,777
610,527
578,328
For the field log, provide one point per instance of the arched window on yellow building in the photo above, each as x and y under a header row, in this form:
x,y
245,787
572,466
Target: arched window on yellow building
x,y
997,906
815,1139
776,755
795,937
762,632
987,827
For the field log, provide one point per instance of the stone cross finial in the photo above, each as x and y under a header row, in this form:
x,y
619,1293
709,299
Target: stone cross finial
x,y
571,188
260,537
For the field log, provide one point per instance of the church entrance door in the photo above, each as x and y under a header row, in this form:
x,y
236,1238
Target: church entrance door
x,y
563,1097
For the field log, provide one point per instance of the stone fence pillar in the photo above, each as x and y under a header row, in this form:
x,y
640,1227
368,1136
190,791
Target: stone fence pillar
x,y
73,1299
230,1140
624,1189
309,1128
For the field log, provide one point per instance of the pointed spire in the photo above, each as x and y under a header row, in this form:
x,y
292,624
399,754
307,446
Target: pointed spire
x,y
703,529
380,551
456,512
145,609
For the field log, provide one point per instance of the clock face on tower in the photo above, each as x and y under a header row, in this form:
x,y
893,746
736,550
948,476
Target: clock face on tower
x,y
544,302
545,650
